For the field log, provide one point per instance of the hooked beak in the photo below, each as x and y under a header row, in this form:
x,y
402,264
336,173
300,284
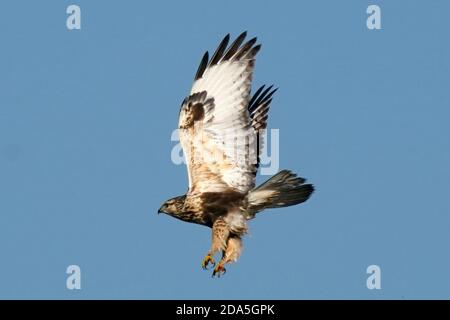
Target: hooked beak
x,y
161,210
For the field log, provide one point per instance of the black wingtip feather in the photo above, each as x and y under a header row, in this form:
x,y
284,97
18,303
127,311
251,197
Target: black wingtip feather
x,y
255,96
262,96
220,50
269,95
245,48
234,46
235,51
254,51
202,67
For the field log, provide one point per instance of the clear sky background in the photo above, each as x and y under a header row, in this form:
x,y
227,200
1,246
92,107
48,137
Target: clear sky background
x,y
85,123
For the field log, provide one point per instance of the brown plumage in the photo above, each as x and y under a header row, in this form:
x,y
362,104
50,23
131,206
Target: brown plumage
x,y
220,126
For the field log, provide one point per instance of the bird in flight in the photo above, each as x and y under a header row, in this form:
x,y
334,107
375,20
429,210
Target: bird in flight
x,y
220,127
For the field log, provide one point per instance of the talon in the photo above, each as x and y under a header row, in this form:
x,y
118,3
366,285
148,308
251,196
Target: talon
x,y
219,270
208,260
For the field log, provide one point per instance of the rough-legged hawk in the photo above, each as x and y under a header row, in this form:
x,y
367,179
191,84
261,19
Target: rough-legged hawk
x,y
220,127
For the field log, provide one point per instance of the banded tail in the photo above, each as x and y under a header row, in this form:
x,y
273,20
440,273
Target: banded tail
x,y
282,190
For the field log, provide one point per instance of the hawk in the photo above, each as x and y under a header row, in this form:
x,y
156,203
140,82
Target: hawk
x,y
220,125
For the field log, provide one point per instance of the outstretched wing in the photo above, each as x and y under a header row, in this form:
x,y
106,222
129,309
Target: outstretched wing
x,y
217,120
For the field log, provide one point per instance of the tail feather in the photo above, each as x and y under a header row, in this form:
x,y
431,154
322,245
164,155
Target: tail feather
x,y
282,190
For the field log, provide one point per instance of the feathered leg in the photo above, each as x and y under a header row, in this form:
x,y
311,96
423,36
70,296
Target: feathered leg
x,y
220,234
230,254
233,250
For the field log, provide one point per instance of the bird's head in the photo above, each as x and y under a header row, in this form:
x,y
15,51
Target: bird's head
x,y
173,206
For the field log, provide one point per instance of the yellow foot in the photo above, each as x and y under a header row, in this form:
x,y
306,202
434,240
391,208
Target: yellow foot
x,y
219,270
208,260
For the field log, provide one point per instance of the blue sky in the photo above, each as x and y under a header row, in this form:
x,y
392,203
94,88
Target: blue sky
x,y
85,123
